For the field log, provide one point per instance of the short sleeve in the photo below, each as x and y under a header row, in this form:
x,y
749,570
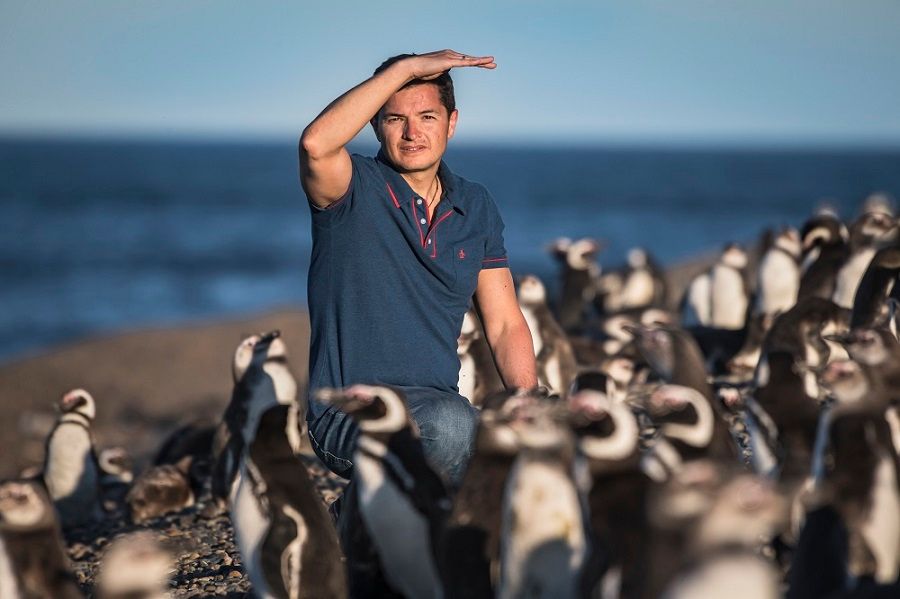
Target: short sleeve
x,y
494,250
341,207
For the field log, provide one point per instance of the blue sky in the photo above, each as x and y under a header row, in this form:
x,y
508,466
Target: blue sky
x,y
805,71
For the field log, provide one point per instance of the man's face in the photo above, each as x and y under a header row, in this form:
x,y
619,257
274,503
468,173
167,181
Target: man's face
x,y
413,128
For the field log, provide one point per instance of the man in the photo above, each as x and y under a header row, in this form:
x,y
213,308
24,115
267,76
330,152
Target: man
x,y
400,244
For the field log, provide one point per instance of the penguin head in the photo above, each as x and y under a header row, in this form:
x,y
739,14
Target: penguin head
x,y
376,409
788,241
607,429
847,382
116,462
667,400
880,202
24,506
823,229
265,353
637,258
734,256
657,345
531,291
685,496
747,511
559,248
873,228
78,401
867,345
135,565
540,424
495,436
582,254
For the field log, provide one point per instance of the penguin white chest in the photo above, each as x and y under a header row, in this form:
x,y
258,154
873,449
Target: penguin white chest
x,y
251,523
849,276
398,530
541,510
881,528
466,382
779,283
729,299
638,289
8,586
70,468
535,328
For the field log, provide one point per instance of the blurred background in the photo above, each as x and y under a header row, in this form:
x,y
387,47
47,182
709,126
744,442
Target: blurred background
x,y
148,170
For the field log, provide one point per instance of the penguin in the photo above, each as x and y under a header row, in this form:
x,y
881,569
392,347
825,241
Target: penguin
x,y
402,503
71,471
869,233
193,443
470,542
579,274
825,247
135,566
544,542
862,473
160,490
33,561
556,364
282,529
719,297
478,376
607,433
261,375
870,304
639,284
778,277
722,543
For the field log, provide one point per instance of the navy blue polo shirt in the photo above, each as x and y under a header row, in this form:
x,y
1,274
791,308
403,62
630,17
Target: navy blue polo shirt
x,y
388,287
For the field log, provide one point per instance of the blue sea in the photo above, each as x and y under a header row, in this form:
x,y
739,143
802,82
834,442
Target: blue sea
x,y
101,236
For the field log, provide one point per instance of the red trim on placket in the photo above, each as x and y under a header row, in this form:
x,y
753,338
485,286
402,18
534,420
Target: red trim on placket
x,y
433,232
393,197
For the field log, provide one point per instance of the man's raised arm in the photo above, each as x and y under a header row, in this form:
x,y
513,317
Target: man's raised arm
x,y
325,167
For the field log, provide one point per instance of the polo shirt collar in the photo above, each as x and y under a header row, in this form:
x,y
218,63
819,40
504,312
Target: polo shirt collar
x,y
449,181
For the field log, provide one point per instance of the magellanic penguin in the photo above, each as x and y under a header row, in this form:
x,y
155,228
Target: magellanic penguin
x,y
862,472
284,534
556,365
402,502
608,442
261,376
135,566
478,376
868,234
778,277
824,242
719,297
470,544
733,519
544,542
580,271
33,562
160,490
641,283
870,304
71,470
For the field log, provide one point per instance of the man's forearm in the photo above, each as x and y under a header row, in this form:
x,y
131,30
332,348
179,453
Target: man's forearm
x,y
514,354
339,123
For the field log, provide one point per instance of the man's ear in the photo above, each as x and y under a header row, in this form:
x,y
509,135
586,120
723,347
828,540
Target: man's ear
x,y
451,128
374,123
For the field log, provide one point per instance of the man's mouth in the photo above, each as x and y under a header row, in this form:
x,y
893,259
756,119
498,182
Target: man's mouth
x,y
411,149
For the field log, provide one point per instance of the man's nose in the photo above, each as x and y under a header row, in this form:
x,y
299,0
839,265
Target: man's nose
x,y
410,130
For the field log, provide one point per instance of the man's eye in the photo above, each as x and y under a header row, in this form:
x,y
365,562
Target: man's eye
x,y
393,119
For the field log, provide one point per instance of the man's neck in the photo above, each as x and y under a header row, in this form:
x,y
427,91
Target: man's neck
x,y
422,182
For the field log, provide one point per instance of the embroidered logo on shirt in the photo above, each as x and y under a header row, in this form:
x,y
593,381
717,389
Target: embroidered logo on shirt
x,y
461,254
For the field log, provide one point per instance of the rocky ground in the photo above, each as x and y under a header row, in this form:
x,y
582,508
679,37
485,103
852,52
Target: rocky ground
x,y
202,540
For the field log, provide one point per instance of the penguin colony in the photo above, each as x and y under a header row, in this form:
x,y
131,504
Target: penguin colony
x,y
744,445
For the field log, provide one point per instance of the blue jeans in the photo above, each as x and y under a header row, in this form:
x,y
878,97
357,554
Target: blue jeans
x,y
446,424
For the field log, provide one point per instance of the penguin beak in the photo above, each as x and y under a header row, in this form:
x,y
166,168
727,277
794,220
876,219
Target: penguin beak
x,y
270,336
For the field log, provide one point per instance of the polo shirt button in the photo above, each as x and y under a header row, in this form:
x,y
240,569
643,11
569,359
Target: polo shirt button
x,y
429,242
419,201
422,220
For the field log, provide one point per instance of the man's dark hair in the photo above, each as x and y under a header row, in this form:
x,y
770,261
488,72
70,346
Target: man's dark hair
x,y
443,82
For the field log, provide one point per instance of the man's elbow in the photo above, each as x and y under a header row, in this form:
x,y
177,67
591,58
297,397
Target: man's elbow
x,y
310,144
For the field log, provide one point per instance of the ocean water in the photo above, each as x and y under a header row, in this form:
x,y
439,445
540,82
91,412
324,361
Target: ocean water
x,y
103,236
